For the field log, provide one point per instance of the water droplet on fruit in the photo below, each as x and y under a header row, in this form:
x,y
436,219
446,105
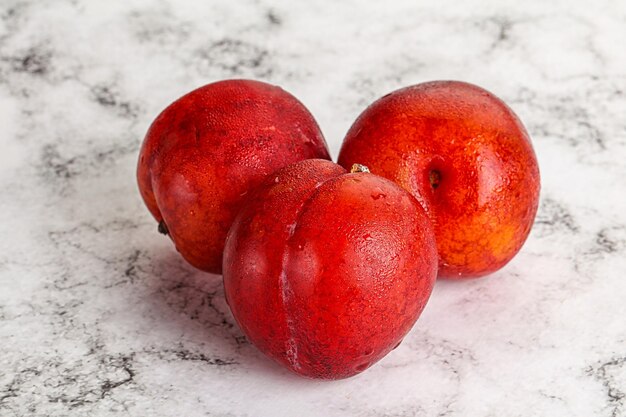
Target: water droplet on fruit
x,y
378,195
276,180
367,237
368,352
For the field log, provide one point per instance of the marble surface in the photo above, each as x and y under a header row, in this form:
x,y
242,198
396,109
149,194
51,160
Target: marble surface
x,y
99,316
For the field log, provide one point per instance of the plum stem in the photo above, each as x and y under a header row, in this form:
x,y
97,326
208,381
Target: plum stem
x,y
162,228
358,168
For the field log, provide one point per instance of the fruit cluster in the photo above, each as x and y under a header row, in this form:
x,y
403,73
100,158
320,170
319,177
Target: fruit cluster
x,y
327,266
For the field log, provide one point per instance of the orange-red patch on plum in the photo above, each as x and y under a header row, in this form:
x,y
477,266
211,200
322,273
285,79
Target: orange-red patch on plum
x,y
486,173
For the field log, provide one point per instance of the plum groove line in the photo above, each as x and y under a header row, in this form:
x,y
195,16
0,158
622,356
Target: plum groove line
x,y
291,346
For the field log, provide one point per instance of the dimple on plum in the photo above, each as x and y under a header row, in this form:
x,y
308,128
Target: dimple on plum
x,y
326,271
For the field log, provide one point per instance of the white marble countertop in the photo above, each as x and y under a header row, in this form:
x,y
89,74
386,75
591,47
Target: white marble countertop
x,y
99,316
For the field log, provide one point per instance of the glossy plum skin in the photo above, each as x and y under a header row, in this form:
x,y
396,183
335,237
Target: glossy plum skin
x,y
326,271
466,157
206,150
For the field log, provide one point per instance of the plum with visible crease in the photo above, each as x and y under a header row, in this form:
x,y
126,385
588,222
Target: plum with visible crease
x,y
326,271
